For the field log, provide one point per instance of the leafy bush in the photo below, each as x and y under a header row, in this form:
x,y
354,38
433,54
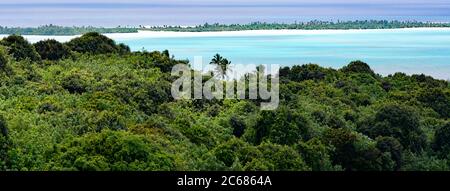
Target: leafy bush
x,y
20,48
393,147
303,72
3,62
397,121
358,67
238,126
52,49
5,144
282,126
235,150
74,84
283,158
316,155
436,99
442,140
96,43
352,152
112,150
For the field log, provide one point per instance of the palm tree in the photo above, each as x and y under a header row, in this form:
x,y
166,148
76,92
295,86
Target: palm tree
x,y
217,59
222,65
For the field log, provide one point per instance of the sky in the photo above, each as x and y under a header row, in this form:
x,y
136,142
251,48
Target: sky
x,y
212,2
183,12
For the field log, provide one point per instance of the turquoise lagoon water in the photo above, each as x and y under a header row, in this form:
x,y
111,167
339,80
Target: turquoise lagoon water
x,y
386,51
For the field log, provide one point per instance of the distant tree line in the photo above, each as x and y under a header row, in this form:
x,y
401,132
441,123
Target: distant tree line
x,y
311,25
62,30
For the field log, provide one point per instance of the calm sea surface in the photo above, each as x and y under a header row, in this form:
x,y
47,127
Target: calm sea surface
x,y
386,51
409,51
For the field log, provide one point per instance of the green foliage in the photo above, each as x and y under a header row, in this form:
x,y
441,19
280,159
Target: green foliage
x,y
236,151
156,59
238,125
5,144
19,48
424,162
95,43
358,67
352,152
74,84
112,150
60,30
344,143
282,126
393,147
123,49
311,25
222,65
437,99
109,109
397,121
282,158
3,62
3,127
303,72
52,49
442,140
316,155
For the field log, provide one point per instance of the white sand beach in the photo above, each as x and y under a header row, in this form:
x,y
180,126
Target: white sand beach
x,y
169,34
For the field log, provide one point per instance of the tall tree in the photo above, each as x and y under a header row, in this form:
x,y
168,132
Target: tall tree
x,y
222,65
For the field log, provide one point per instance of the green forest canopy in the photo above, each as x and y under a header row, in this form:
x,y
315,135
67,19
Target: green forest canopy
x,y
91,104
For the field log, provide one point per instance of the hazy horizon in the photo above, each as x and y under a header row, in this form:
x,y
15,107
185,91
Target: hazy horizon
x,y
113,13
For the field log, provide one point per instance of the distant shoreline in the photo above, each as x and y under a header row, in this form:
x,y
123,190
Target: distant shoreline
x,y
313,25
172,34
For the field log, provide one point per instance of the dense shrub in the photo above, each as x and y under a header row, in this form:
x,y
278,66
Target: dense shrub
x,y
316,155
96,43
303,72
393,147
238,126
3,62
52,50
112,150
282,158
282,126
123,49
397,121
436,99
20,48
74,84
442,140
236,150
358,67
353,153
5,144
